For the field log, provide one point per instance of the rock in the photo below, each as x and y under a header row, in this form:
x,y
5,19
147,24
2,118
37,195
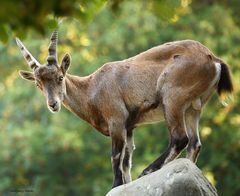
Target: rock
x,y
180,177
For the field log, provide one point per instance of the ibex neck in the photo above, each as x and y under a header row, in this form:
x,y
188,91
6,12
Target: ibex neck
x,y
75,98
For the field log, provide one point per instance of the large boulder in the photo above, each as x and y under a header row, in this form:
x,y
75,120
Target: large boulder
x,y
180,177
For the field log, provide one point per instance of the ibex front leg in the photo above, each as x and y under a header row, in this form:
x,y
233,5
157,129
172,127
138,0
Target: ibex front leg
x,y
127,161
119,143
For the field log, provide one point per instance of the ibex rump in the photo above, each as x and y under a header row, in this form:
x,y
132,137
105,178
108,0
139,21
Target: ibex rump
x,y
172,81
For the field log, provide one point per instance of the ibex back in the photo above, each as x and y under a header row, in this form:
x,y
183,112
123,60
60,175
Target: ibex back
x,y
169,82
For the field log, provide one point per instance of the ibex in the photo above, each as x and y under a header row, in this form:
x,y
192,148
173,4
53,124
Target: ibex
x,y
172,81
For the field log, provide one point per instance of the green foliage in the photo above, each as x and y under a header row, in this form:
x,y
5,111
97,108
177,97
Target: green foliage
x,y
19,16
62,155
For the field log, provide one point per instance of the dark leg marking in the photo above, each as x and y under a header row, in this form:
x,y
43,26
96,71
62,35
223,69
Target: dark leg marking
x,y
175,147
117,146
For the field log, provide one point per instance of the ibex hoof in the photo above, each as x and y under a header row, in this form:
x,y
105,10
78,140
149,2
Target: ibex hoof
x,y
145,172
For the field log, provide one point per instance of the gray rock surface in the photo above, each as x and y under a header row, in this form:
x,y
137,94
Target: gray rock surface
x,y
180,177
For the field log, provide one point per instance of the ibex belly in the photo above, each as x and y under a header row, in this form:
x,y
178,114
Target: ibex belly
x,y
152,116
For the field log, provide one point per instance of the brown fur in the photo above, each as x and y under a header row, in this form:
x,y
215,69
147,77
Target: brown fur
x,y
120,84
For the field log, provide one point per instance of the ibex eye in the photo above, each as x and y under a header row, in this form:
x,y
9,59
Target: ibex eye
x,y
60,78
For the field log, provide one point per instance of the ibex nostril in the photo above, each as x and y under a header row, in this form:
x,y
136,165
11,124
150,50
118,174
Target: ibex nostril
x,y
52,105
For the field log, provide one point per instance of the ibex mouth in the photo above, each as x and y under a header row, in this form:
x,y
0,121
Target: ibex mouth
x,y
54,110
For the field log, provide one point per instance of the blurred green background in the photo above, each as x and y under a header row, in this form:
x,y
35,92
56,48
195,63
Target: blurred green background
x,y
62,155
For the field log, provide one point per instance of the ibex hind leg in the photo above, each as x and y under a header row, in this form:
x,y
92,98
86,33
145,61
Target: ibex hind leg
x,y
192,117
174,109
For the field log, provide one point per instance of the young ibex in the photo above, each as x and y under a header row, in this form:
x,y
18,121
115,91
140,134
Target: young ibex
x,y
172,81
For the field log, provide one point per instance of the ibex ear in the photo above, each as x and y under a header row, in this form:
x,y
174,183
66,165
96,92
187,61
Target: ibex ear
x,y
27,75
65,63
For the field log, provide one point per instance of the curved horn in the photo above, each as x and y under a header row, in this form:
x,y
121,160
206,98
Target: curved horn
x,y
32,62
52,49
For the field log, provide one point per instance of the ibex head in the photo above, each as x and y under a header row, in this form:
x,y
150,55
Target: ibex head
x,y
50,77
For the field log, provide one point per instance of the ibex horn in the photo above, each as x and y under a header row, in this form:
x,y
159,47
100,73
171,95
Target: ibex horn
x,y
52,49
32,62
